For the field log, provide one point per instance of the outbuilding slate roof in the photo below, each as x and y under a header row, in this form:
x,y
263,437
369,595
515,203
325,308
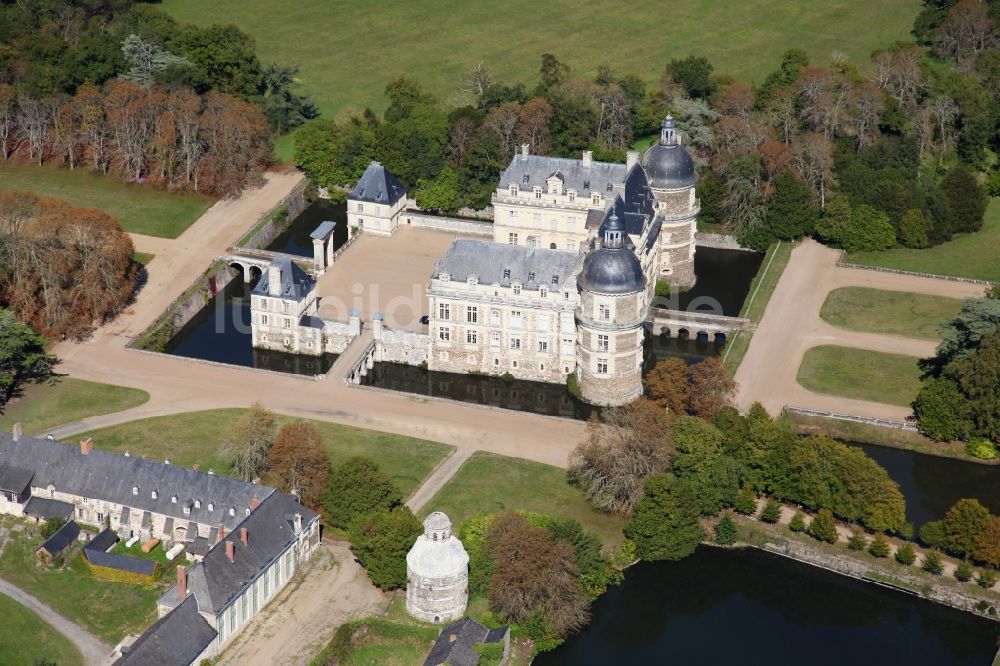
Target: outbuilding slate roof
x,y
216,581
127,563
14,479
59,541
456,646
45,508
377,185
502,264
533,170
295,283
111,477
176,639
102,542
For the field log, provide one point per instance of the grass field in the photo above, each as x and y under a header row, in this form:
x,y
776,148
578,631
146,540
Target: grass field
x,y
65,400
26,639
142,257
349,51
891,312
107,609
494,484
967,255
140,210
199,438
861,374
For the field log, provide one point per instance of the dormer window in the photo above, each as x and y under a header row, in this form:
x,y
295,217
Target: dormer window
x,y
572,196
538,193
526,178
187,510
531,277
173,499
596,197
197,504
135,490
444,277
154,494
543,291
232,511
248,511
473,279
506,274
517,288
555,279
211,506
513,189
609,187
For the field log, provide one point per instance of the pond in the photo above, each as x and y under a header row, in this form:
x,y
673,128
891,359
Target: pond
x,y
751,608
295,239
724,278
221,332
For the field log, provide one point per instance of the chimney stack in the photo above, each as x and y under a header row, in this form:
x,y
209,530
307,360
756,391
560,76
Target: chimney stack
x,y
182,582
525,150
631,159
86,446
588,158
274,279
17,432
245,536
298,522
222,531
254,502
231,550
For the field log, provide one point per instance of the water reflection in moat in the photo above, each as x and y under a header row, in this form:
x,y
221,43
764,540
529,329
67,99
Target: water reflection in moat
x,y
296,240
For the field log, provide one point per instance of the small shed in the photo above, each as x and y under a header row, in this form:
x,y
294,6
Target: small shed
x,y
456,646
133,565
58,542
41,509
102,542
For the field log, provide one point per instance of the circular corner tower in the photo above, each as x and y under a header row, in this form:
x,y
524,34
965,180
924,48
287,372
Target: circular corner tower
x,y
672,178
610,318
437,573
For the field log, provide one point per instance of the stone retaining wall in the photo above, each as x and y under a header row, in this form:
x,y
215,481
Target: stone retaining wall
x,y
293,204
455,225
718,241
885,423
882,269
400,346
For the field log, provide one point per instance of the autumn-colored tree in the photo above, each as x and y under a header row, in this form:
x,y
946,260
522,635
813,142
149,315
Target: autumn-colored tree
x,y
251,442
667,384
711,388
963,524
298,463
622,449
533,129
535,577
988,543
965,33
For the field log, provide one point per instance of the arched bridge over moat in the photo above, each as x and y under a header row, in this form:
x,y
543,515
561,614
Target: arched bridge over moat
x,y
695,324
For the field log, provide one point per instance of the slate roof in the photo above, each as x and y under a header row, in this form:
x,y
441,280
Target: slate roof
x,y
499,263
45,508
323,230
377,185
456,644
176,639
14,479
102,542
575,176
295,283
59,541
216,581
135,565
110,477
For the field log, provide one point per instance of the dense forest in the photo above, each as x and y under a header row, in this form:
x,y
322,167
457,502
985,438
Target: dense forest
x,y
119,87
899,150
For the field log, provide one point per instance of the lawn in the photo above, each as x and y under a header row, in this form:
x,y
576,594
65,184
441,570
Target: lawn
x,y
199,438
349,51
967,255
494,484
107,609
65,400
142,257
891,312
26,639
861,374
139,209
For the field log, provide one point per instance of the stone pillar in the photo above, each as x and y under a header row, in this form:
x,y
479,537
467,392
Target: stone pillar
x,y
319,256
354,322
329,248
377,330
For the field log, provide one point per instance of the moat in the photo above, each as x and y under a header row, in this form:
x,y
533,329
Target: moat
x,y
753,608
295,239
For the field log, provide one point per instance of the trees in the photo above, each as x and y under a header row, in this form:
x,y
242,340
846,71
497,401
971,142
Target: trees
x,y
932,563
535,578
713,477
961,335
771,513
790,212
51,526
356,488
966,203
988,543
22,356
746,501
856,542
252,439
797,523
869,230
440,193
913,228
962,525
694,74
963,572
298,463
664,524
905,554
380,540
667,385
941,410
823,527
711,388
628,444
726,533
879,547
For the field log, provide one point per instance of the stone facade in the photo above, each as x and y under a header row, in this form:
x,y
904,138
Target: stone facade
x,y
609,352
437,573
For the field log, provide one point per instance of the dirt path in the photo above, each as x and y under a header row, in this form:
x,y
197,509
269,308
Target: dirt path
x,y
438,478
791,325
295,626
95,653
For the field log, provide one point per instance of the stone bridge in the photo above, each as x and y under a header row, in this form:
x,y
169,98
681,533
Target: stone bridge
x,y
694,324
253,263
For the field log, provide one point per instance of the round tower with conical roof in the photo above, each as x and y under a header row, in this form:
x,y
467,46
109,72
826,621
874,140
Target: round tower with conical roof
x,y
610,316
437,573
672,178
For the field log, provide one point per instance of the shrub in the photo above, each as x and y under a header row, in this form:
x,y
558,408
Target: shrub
x,y
664,525
358,487
823,527
932,563
981,448
963,572
490,654
857,542
725,531
906,555
381,540
746,501
798,522
771,512
879,547
51,526
987,578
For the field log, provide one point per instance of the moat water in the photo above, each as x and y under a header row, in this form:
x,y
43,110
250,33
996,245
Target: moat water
x,y
752,608
220,332
724,278
295,239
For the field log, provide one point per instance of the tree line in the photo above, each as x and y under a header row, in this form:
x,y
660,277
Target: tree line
x,y
120,87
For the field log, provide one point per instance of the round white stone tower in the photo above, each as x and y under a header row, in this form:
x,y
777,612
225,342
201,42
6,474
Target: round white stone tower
x,y
437,573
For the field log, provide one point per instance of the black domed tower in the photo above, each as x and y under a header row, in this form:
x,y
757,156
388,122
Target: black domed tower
x,y
610,317
672,178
